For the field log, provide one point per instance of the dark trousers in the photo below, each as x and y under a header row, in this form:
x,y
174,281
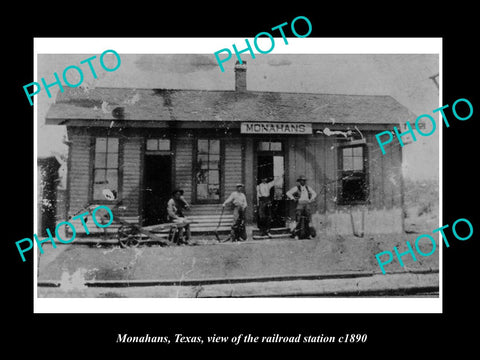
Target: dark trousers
x,y
238,227
185,232
264,214
182,233
302,217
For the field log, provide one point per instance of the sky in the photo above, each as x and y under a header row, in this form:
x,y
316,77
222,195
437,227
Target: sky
x,y
405,77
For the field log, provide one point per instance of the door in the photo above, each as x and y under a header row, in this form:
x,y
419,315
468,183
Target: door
x,y
157,188
271,164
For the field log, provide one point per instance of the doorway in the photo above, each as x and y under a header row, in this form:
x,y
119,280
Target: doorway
x,y
271,165
157,188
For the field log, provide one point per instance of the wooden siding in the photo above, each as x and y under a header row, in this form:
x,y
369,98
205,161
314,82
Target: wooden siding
x,y
331,174
232,165
249,177
375,176
184,166
312,156
131,189
385,175
396,176
316,159
79,171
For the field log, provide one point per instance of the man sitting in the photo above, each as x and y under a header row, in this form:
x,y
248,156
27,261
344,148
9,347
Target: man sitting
x,y
175,207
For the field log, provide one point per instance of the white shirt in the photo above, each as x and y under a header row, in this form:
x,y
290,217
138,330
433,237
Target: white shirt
x,y
263,189
238,198
172,207
303,193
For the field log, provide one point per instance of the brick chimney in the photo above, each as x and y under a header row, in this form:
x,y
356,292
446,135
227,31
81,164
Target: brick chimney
x,y
241,76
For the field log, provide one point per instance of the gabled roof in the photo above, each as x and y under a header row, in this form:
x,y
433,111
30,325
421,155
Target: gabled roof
x,y
232,106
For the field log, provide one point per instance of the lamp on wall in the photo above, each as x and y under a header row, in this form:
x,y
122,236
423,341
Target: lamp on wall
x,y
355,141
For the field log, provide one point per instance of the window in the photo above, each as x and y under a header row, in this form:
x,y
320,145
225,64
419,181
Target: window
x,y
158,144
207,174
105,172
269,146
354,185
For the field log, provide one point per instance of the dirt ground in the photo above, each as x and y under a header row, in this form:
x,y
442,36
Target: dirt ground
x,y
253,258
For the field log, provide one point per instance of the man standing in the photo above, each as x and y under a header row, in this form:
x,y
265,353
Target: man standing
x,y
264,206
175,207
304,195
239,201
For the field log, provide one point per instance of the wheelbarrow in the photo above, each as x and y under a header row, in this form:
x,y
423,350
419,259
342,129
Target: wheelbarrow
x,y
132,235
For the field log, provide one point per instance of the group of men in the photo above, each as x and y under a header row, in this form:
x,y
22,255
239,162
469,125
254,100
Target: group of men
x,y
303,194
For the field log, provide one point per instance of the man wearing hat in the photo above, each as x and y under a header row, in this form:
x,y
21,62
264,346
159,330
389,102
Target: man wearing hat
x,y
304,195
239,201
175,207
264,206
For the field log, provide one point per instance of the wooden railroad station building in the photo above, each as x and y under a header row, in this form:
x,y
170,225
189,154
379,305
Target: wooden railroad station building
x,y
143,143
